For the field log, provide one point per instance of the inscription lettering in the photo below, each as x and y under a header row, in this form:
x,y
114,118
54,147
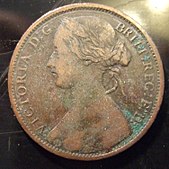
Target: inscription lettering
x,y
21,79
147,66
145,104
132,36
149,86
25,59
127,32
29,113
46,30
35,120
24,101
21,90
149,77
41,129
22,68
34,42
120,27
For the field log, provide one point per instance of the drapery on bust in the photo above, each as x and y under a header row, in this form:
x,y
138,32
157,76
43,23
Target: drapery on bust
x,y
87,59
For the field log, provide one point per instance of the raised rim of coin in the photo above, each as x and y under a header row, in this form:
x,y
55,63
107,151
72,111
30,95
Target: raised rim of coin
x,y
63,10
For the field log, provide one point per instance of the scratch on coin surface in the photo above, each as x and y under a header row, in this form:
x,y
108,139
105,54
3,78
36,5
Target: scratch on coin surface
x,y
3,94
61,2
9,143
5,53
3,80
127,3
11,132
3,75
57,4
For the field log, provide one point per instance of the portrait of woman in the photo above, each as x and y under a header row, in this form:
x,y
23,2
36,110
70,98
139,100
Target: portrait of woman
x,y
87,58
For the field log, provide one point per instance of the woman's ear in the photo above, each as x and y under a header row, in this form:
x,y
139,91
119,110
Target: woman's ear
x,y
110,81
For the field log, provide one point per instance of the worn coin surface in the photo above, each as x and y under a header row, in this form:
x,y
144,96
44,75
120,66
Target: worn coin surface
x,y
85,81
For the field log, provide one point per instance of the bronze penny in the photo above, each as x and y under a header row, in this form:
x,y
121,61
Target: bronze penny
x,y
85,81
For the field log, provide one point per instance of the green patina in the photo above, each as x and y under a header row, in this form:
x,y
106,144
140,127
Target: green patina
x,y
146,57
135,128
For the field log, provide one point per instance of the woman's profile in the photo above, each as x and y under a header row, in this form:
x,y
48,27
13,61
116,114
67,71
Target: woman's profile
x,y
87,60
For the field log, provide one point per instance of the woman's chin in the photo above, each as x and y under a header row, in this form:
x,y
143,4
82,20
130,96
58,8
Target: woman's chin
x,y
58,84
62,85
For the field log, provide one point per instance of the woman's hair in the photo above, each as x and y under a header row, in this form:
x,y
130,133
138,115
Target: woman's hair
x,y
94,41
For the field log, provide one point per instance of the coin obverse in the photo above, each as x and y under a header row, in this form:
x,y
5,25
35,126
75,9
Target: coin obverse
x,y
85,81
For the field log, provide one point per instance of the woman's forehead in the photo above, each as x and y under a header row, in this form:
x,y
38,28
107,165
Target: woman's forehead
x,y
61,35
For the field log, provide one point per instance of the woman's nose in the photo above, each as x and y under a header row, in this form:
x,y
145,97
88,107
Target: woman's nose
x,y
51,63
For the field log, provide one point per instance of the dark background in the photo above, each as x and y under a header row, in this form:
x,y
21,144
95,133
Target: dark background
x,y
18,151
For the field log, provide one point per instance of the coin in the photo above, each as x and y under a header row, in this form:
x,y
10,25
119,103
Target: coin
x,y
86,81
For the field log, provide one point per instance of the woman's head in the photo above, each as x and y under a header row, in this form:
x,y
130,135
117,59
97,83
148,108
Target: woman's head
x,y
91,40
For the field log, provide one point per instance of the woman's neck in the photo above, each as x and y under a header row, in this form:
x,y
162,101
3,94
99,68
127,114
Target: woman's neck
x,y
87,91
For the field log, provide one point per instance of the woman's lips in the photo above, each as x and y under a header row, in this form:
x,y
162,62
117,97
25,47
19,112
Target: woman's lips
x,y
54,73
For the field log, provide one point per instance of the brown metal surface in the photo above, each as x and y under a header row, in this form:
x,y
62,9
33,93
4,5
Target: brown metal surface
x,y
86,81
